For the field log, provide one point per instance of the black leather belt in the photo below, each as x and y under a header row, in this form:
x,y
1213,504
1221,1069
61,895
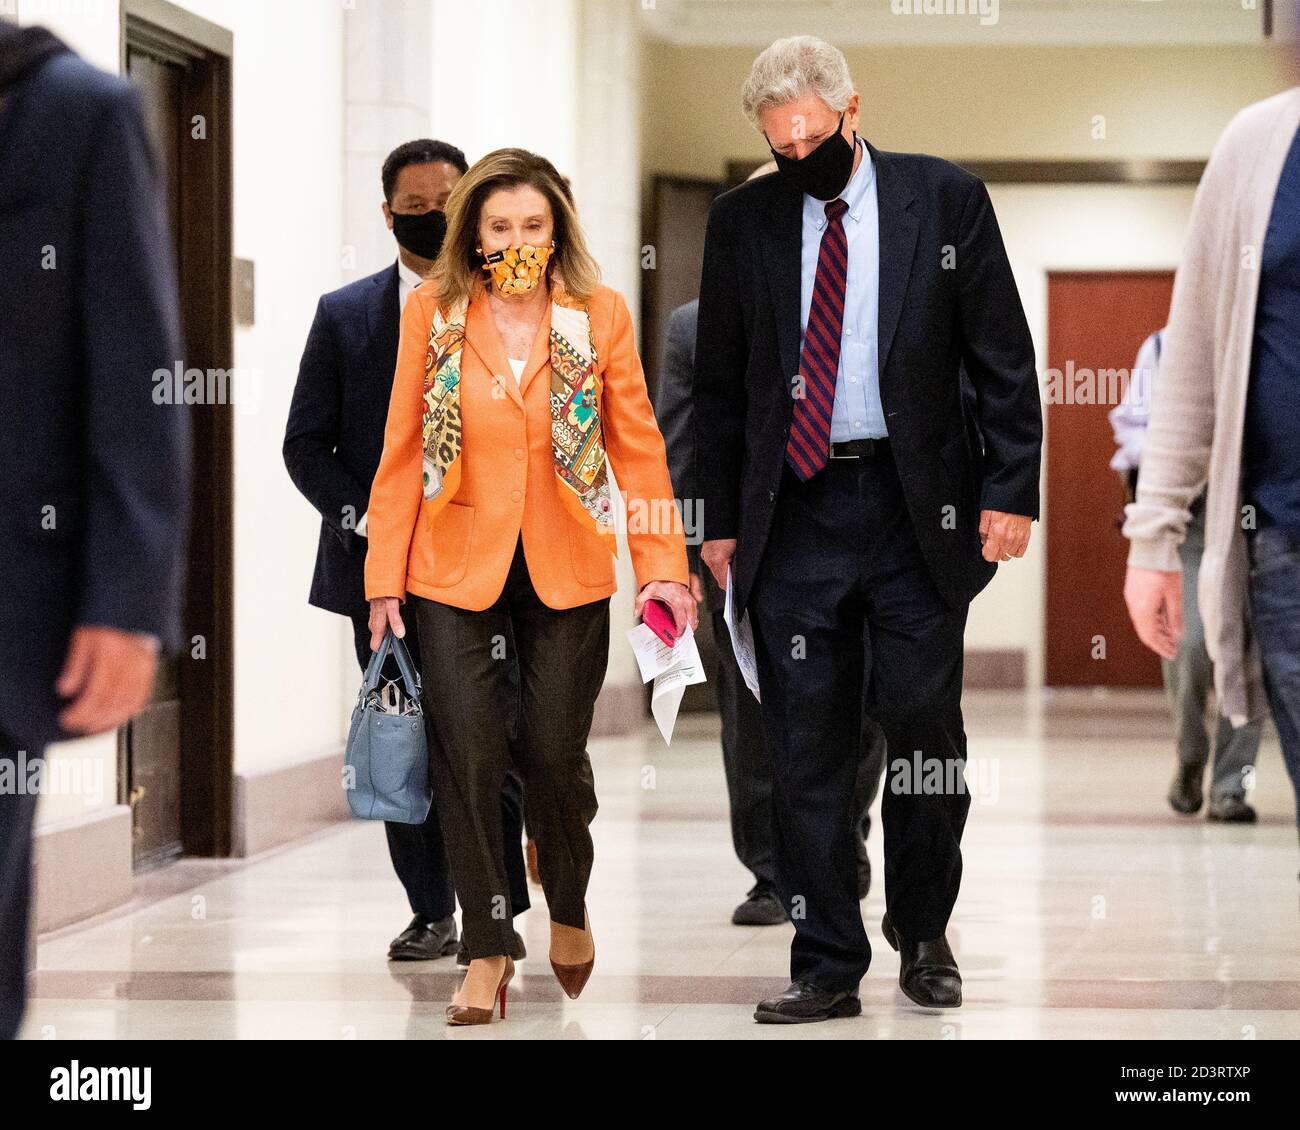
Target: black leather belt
x,y
859,448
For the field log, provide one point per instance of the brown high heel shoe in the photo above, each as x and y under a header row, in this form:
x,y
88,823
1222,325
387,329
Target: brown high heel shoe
x,y
459,1015
573,978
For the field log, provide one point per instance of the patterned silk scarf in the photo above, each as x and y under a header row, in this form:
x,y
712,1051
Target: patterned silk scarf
x,y
577,440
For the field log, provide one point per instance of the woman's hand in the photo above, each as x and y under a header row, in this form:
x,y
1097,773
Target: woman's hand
x,y
677,596
385,610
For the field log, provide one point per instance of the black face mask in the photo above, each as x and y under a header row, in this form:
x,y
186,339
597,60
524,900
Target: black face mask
x,y
825,171
420,233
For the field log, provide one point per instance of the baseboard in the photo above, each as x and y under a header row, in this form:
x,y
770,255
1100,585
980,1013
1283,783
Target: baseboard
x,y
1000,669
83,867
274,806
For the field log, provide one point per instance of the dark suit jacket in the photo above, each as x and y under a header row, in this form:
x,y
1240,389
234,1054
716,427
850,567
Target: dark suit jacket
x,y
335,433
674,409
947,298
94,474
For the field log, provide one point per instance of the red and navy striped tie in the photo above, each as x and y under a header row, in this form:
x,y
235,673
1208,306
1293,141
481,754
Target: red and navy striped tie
x,y
809,445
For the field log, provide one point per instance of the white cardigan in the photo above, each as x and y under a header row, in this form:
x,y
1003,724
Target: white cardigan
x,y
1199,405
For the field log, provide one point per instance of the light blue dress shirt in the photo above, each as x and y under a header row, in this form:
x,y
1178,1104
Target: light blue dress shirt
x,y
858,413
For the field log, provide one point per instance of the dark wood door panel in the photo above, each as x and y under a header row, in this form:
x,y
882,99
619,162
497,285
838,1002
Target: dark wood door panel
x,y
1096,321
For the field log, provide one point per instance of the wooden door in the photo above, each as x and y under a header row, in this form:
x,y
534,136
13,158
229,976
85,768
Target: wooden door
x,y
1096,321
175,757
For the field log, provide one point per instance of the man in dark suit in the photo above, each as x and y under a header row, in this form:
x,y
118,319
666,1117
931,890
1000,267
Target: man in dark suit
x,y
332,445
856,502
94,473
744,758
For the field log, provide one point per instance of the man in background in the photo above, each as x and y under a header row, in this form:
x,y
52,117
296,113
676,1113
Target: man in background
x,y
94,476
1189,676
332,444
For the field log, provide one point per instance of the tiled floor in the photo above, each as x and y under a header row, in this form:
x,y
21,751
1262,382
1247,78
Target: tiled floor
x,y
1088,910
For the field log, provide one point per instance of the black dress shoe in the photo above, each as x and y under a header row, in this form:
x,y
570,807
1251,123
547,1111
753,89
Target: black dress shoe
x,y
928,975
760,908
462,957
1231,810
803,1003
423,940
1185,793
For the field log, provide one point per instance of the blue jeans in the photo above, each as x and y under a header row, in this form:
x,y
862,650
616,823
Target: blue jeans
x,y
1275,619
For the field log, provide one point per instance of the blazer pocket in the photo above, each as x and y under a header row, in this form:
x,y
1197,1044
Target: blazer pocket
x,y
442,558
593,564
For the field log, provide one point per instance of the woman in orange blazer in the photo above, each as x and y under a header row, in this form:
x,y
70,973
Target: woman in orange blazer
x,y
492,516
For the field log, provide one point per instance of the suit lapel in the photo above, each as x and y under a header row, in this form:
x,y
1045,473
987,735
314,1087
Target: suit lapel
x,y
782,240
482,337
383,320
898,229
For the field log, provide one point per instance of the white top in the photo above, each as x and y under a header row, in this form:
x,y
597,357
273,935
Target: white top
x,y
517,364
1130,416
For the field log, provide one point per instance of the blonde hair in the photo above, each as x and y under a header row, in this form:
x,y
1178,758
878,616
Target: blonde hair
x,y
458,273
791,68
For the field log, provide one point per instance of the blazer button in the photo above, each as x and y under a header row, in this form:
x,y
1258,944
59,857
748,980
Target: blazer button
x,y
771,496
516,496
519,452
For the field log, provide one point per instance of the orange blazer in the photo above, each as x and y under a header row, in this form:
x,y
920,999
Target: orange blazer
x,y
460,556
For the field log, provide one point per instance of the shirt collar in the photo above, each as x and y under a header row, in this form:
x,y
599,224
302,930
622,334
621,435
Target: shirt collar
x,y
854,194
407,275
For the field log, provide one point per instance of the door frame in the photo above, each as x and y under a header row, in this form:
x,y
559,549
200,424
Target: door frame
x,y
207,703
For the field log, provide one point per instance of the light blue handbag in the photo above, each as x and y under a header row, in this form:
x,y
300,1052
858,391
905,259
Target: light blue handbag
x,y
386,766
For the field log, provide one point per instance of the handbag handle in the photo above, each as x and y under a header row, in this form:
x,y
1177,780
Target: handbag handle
x,y
404,666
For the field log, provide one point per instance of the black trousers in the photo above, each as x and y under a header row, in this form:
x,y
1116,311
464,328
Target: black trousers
x,y
468,703
418,852
843,602
17,810
748,766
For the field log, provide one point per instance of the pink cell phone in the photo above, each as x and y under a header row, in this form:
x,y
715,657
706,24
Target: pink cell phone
x,y
657,616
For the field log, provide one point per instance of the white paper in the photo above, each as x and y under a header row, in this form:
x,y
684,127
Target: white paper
x,y
673,669
742,640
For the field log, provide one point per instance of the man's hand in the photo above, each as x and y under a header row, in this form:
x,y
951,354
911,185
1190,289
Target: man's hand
x,y
385,610
108,674
1155,605
717,556
1003,536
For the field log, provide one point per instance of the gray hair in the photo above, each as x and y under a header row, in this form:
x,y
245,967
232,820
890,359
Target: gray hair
x,y
791,68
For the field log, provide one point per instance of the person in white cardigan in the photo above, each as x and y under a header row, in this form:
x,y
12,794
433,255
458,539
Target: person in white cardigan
x,y
1189,676
1220,421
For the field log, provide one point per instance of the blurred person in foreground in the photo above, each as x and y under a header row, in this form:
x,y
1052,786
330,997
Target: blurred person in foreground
x,y
94,475
1224,421
332,443
1189,676
518,389
858,503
